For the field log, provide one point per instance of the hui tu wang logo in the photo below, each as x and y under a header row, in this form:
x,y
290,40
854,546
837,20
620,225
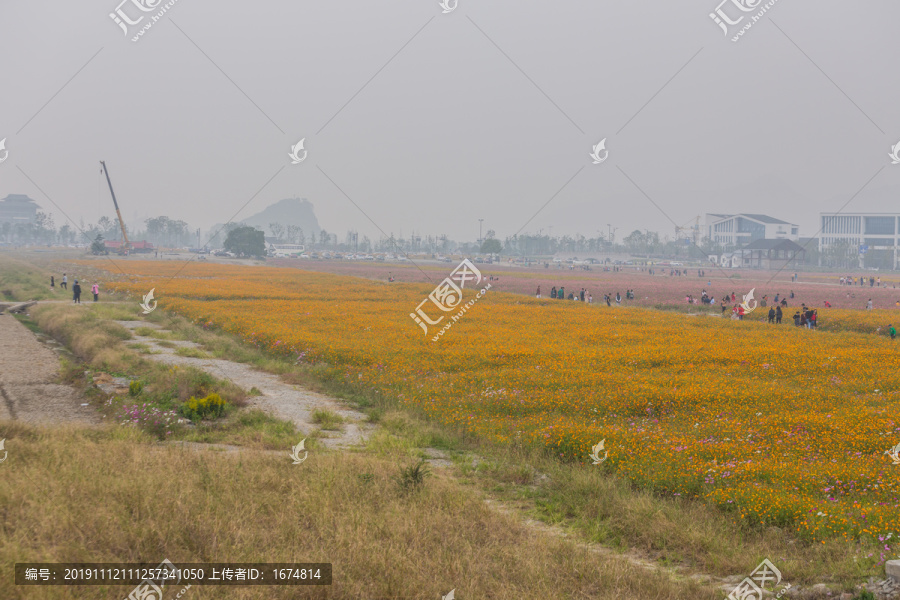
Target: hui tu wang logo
x,y
301,447
895,153
4,153
2,442
595,453
894,453
751,588
146,303
600,152
295,153
449,5
447,297
137,11
746,303
734,16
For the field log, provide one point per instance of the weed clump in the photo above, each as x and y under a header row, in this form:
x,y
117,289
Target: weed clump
x,y
212,407
412,478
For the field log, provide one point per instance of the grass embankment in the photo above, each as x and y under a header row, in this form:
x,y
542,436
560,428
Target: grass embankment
x,y
114,495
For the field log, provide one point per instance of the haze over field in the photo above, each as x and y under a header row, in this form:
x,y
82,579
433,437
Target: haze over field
x,y
430,121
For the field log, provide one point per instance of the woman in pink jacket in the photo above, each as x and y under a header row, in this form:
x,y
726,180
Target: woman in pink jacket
x,y
95,289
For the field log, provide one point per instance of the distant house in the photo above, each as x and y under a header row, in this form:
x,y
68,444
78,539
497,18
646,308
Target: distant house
x,y
729,260
18,209
771,254
742,229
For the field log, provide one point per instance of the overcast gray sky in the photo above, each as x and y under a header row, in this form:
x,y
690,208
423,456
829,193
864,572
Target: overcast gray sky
x,y
430,121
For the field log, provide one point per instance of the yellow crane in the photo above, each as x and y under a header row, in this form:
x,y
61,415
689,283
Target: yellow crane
x,y
126,245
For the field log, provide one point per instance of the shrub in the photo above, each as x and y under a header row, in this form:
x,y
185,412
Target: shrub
x,y
413,478
135,388
212,406
865,595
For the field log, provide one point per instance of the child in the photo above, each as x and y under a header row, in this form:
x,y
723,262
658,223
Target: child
x,y
95,289
52,282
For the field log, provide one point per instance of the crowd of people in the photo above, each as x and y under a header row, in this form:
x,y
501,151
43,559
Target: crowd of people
x,y
862,280
585,296
76,288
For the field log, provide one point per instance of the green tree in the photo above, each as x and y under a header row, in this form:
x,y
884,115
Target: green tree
x,y
246,241
491,246
97,246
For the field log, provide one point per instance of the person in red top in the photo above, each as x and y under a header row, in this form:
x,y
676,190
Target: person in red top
x,y
740,313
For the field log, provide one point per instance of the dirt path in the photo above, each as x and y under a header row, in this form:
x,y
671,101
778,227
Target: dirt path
x,y
278,398
28,381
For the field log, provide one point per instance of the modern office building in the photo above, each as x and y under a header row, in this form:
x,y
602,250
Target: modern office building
x,y
740,230
876,236
18,209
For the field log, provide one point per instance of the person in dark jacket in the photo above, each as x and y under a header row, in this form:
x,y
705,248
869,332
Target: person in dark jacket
x,y
778,315
76,293
771,315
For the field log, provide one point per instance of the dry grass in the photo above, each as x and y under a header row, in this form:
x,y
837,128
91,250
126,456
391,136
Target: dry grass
x,y
114,495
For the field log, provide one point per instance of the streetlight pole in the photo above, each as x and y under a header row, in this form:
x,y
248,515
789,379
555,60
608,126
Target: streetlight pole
x,y
480,237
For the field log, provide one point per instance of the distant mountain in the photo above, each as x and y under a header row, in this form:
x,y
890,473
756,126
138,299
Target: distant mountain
x,y
291,211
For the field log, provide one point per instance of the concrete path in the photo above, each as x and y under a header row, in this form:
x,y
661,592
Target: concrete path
x,y
278,398
29,390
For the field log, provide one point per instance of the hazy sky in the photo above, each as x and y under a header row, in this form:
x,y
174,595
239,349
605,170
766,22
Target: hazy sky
x,y
430,121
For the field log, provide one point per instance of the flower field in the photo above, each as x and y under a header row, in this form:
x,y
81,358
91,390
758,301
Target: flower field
x,y
775,425
650,290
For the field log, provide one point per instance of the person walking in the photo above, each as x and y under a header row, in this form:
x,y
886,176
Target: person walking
x,y
778,315
95,290
771,315
76,293
539,292
618,298
64,284
792,294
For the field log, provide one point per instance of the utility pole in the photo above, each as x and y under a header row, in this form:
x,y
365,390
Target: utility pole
x,y
480,237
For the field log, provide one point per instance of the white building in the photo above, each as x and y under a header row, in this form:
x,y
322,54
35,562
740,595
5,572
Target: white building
x,y
740,230
286,250
876,236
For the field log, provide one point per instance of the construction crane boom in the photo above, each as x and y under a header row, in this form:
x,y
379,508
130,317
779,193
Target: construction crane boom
x,y
126,245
